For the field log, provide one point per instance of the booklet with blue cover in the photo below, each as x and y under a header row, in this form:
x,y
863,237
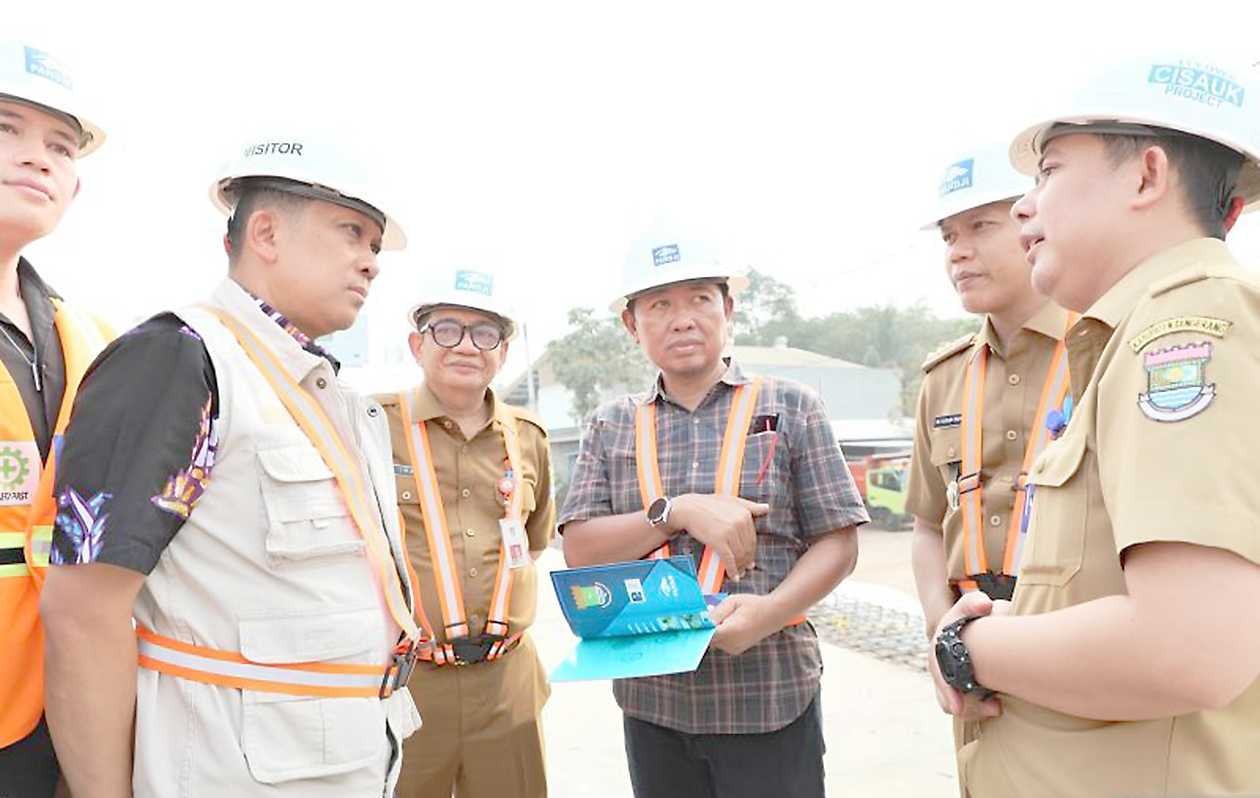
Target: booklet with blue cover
x,y
638,618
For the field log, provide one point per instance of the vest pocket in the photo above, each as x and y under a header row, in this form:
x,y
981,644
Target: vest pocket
x,y
307,516
1055,548
286,738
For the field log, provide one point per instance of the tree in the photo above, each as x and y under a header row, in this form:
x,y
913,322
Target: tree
x,y
598,357
765,305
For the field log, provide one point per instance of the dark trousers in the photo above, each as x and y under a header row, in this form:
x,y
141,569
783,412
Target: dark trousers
x,y
665,763
28,768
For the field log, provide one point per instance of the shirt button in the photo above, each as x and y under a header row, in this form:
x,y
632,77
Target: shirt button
x,y
1011,434
472,571
373,410
1013,379
695,464
696,421
407,495
996,520
474,620
951,451
465,493
321,383
1005,478
447,423
472,533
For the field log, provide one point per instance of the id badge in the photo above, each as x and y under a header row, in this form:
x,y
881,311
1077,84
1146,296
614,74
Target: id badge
x,y
515,544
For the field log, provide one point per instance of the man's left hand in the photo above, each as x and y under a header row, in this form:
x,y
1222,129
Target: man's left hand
x,y
743,620
952,701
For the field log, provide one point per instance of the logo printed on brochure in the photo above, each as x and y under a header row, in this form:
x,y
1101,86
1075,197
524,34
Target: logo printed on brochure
x,y
662,256
634,589
1199,82
958,176
590,596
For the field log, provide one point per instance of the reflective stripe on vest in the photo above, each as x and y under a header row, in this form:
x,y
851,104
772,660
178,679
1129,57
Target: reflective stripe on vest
x,y
230,669
323,435
26,526
437,535
730,466
1053,391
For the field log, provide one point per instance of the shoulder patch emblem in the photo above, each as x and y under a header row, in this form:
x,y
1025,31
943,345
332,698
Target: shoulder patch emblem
x,y
1199,324
1175,382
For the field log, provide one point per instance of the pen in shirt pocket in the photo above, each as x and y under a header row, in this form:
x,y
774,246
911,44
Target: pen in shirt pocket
x,y
760,424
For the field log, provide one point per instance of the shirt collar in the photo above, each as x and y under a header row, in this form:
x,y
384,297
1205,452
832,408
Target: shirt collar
x,y
1050,320
733,376
426,407
305,341
299,359
1114,305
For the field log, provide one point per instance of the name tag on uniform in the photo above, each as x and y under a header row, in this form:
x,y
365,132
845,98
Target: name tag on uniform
x,y
945,422
515,545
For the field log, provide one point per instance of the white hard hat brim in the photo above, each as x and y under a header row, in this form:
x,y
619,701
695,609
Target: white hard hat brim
x,y
969,203
428,307
735,284
392,237
1026,149
91,136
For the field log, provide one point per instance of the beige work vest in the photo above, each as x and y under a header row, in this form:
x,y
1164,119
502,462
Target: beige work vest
x,y
269,564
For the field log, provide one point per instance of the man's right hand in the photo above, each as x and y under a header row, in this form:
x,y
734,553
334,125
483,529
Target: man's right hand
x,y
724,523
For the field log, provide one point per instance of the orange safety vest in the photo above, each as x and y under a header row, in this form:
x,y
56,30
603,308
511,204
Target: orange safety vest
x,y
335,680
27,512
730,466
967,487
437,535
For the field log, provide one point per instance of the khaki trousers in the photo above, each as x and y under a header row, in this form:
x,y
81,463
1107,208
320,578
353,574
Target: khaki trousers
x,y
482,733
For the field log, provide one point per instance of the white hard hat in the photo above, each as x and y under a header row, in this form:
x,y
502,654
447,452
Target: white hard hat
x,y
1202,97
311,168
464,288
976,178
662,259
35,77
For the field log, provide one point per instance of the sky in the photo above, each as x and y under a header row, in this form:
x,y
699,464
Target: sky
x,y
538,139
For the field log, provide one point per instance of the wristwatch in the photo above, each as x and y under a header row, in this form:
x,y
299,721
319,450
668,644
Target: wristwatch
x,y
658,512
955,660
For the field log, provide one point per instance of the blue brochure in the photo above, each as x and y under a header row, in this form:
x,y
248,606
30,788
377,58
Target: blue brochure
x,y
639,618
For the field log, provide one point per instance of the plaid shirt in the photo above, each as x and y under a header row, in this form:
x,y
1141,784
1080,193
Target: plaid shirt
x,y
810,493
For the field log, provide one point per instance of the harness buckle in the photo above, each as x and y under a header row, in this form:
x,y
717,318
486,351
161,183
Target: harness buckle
x,y
472,649
402,664
999,587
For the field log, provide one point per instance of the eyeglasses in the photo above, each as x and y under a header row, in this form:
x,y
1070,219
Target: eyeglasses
x,y
448,333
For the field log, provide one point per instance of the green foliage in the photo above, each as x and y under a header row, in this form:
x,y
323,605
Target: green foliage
x,y
598,357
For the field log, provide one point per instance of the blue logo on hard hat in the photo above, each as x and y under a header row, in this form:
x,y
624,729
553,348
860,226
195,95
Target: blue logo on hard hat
x,y
476,282
1198,82
665,255
45,66
958,176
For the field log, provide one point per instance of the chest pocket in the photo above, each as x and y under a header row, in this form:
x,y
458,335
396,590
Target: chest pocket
x,y
946,452
1055,548
306,515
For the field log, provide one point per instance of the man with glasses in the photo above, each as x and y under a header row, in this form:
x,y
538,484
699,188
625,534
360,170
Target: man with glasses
x,y
474,491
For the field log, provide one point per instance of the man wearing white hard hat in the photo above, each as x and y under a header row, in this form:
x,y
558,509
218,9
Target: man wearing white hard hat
x,y
774,528
225,489
474,493
45,347
990,401
1128,662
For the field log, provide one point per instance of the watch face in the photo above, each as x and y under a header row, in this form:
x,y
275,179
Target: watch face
x,y
656,510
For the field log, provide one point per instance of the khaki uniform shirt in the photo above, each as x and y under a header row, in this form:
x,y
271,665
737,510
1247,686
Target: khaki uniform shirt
x,y
1161,448
468,474
1012,389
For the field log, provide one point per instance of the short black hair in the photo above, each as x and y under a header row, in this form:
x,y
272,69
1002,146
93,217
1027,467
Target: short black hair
x,y
1208,171
723,286
249,201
